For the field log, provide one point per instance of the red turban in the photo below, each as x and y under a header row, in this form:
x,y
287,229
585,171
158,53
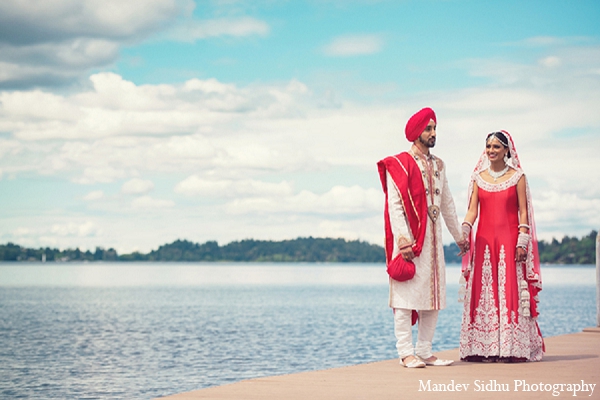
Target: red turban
x,y
418,122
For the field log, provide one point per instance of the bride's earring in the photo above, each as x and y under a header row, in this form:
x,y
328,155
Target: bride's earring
x,y
506,159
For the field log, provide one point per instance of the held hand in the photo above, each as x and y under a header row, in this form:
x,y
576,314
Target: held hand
x,y
521,254
407,253
464,246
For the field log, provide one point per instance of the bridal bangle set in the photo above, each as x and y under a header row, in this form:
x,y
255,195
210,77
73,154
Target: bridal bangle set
x,y
523,240
466,229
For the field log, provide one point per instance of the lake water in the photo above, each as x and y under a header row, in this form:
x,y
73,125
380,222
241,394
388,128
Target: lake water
x,y
140,331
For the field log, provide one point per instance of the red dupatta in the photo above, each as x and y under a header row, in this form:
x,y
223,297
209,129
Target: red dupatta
x,y
407,177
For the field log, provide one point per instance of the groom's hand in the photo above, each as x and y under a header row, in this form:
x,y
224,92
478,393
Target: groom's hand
x,y
407,253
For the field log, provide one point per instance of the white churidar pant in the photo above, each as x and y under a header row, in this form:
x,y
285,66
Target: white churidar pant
x,y
403,332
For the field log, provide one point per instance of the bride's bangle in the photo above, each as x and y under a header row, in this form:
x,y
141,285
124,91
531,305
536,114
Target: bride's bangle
x,y
524,226
523,240
466,229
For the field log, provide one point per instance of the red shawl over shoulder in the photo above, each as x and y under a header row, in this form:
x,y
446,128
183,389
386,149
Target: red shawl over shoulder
x,y
407,176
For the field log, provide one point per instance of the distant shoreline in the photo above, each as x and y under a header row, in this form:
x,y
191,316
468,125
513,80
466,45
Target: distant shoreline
x,y
568,251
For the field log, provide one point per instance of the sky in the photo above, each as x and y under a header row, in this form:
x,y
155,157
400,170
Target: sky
x,y
133,124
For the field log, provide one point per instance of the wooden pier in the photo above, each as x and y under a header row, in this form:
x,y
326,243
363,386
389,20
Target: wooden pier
x,y
571,367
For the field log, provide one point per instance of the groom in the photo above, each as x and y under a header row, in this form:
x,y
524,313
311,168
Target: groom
x,y
417,193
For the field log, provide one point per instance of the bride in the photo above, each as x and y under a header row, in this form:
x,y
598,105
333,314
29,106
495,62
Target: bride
x,y
501,269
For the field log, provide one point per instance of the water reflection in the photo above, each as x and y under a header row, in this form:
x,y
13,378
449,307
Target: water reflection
x,y
209,274
139,331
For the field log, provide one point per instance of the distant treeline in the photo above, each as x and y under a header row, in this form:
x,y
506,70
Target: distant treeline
x,y
570,250
297,250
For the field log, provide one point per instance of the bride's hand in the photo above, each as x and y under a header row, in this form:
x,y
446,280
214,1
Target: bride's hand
x,y
521,254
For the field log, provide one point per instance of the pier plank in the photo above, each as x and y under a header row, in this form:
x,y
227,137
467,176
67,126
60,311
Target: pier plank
x,y
572,359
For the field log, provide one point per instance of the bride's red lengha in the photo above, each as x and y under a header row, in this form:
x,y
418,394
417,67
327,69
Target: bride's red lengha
x,y
500,310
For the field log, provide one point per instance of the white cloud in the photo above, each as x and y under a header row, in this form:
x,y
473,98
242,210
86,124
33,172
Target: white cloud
x,y
550,62
115,107
236,27
8,146
192,148
21,231
94,195
84,229
557,207
137,186
208,86
36,22
78,54
224,188
148,203
339,200
118,128
103,174
66,18
50,113
354,45
368,229
53,42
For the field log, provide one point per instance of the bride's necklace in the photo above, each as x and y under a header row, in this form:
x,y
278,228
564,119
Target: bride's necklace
x,y
498,174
